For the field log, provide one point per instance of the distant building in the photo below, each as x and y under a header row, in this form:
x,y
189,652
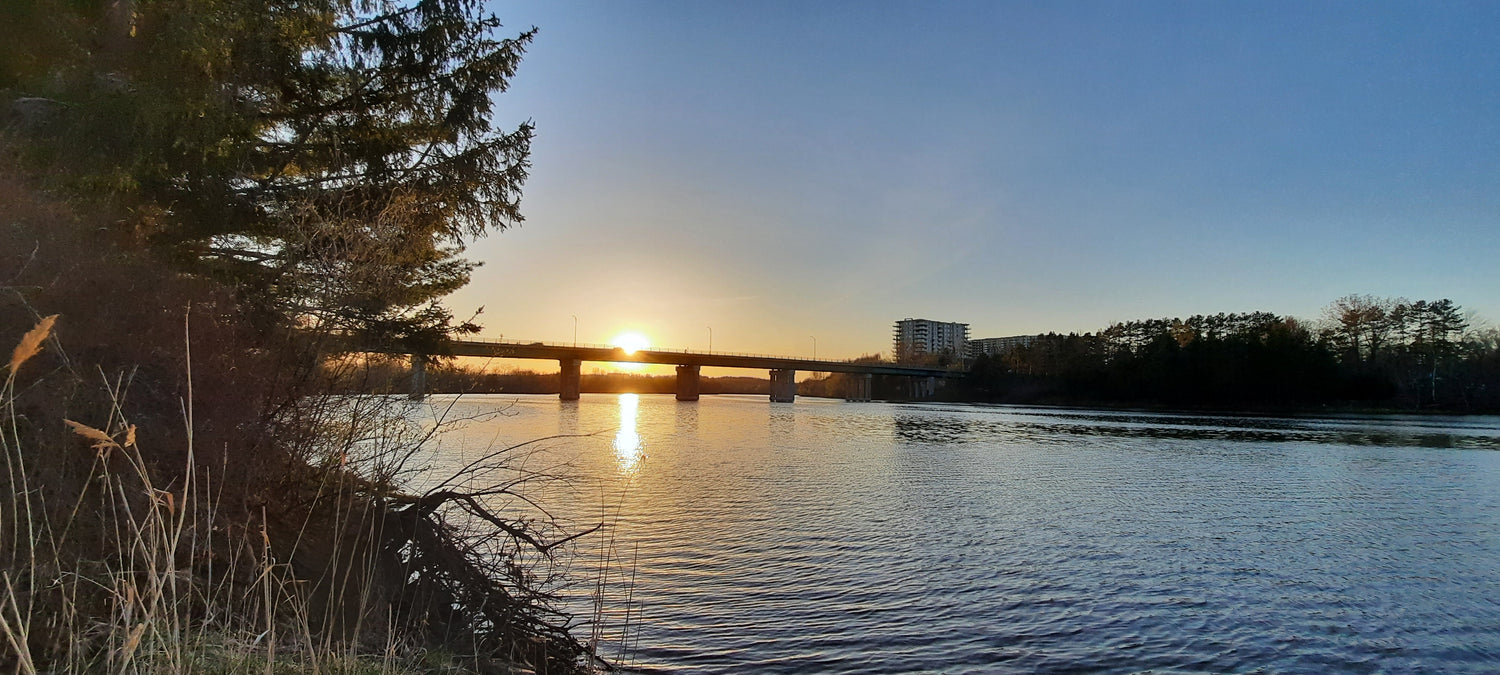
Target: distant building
x,y
998,345
916,338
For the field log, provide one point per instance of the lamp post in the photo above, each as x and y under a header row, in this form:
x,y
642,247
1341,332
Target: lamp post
x,y
710,339
575,330
815,347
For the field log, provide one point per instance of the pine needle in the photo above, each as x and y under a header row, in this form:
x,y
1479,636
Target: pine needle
x,y
31,342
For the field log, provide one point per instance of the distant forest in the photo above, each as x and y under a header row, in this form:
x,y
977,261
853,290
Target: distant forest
x,y
1366,352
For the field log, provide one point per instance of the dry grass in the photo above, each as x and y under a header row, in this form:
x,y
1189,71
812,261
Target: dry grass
x,y
132,575
31,343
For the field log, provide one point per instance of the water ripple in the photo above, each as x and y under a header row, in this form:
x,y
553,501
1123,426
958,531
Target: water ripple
x,y
875,538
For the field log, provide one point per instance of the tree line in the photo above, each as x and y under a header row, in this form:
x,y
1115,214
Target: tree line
x,y
1364,352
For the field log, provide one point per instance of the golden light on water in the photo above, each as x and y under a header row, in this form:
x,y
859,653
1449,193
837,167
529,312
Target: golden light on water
x,y
627,441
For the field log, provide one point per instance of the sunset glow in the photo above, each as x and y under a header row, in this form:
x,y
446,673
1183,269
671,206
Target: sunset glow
x,y
631,342
795,226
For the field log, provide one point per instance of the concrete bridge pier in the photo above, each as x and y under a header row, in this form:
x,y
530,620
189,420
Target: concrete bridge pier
x,y
783,386
922,388
687,383
418,378
569,378
860,387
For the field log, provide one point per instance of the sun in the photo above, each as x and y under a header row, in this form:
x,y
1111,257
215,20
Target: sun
x,y
631,343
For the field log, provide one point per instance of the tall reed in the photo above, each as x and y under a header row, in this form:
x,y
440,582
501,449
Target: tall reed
x,y
132,576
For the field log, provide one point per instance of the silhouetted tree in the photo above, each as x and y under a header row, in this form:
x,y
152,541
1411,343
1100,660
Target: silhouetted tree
x,y
1353,323
1369,352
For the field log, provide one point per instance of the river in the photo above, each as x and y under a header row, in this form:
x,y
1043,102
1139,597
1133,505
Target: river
x,y
825,536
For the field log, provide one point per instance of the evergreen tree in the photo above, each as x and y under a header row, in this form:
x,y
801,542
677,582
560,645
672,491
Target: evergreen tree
x,y
330,158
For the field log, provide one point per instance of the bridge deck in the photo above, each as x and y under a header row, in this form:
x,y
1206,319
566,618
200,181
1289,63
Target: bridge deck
x,y
541,350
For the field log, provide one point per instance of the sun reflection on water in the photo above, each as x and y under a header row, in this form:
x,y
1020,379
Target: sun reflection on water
x,y
627,441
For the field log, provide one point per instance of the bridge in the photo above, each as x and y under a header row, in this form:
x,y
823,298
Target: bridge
x,y
689,363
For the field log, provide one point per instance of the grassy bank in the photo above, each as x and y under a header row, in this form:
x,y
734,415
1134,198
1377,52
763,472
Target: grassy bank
x,y
187,493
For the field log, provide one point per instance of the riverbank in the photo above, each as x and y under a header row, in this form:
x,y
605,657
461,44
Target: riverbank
x,y
184,491
129,554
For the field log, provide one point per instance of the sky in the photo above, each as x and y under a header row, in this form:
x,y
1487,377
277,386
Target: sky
x,y
784,177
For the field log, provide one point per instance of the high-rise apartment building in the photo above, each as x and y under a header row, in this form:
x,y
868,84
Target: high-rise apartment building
x,y
916,338
998,345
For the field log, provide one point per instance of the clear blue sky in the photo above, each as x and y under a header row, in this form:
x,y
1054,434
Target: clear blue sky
x,y
785,171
